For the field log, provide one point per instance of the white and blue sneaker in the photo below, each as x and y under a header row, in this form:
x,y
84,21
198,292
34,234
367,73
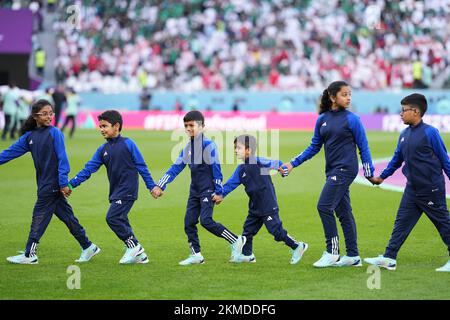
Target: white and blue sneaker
x,y
88,253
327,260
347,261
196,258
244,259
22,259
141,258
298,252
444,268
131,254
236,248
382,262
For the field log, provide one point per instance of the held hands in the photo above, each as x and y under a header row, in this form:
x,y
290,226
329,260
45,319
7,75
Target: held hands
x,y
217,199
376,180
285,169
66,192
157,192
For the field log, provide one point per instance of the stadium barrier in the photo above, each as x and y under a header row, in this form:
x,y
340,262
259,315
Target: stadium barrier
x,y
251,121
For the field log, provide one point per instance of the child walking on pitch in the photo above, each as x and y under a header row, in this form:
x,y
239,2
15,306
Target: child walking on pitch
x,y
423,151
206,181
123,163
46,144
340,131
263,206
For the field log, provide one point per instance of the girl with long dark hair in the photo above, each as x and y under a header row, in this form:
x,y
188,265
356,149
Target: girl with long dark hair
x,y
340,131
46,144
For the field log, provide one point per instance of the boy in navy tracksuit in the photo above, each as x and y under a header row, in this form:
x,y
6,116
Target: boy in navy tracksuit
x,y
254,174
46,144
422,150
123,163
206,180
340,131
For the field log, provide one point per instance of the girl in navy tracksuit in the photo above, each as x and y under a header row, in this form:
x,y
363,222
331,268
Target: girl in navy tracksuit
x,y
340,131
46,144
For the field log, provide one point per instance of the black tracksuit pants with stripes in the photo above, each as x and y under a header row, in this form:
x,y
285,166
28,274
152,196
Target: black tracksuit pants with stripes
x,y
200,207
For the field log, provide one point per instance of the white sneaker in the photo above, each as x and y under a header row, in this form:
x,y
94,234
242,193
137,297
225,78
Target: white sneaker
x,y
347,261
236,248
445,267
22,259
193,259
327,260
383,262
132,254
88,253
244,259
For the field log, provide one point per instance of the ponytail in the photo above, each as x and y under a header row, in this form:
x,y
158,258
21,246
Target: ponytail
x,y
325,102
31,124
332,90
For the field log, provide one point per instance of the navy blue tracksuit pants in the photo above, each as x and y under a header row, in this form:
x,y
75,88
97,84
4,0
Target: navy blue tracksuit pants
x,y
411,208
253,224
117,219
335,197
202,207
43,211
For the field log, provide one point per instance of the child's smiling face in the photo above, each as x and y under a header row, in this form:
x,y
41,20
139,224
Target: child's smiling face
x,y
108,130
44,116
193,128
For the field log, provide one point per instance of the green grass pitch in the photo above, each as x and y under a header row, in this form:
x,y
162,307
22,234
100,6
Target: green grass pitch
x,y
158,224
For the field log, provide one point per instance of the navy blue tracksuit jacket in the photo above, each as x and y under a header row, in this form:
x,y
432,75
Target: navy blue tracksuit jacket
x,y
123,162
202,157
340,131
47,148
425,158
254,174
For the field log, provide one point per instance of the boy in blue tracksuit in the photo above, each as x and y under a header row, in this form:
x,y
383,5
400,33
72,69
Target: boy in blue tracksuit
x,y
46,144
340,131
206,181
422,150
254,174
123,163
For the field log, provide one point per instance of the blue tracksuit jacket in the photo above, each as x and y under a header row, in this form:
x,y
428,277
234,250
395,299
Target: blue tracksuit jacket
x,y
340,132
425,157
47,148
202,157
123,163
254,175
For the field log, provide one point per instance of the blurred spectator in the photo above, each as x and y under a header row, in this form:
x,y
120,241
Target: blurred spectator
x,y
233,44
73,103
235,107
39,61
10,105
178,105
59,99
145,97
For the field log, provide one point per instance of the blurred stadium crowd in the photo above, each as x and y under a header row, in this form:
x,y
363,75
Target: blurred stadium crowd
x,y
193,45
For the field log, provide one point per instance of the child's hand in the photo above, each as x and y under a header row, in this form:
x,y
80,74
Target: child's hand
x,y
157,192
285,169
66,191
376,180
217,199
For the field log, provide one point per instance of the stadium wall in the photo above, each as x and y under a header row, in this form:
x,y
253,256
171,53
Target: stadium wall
x,y
363,102
253,121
